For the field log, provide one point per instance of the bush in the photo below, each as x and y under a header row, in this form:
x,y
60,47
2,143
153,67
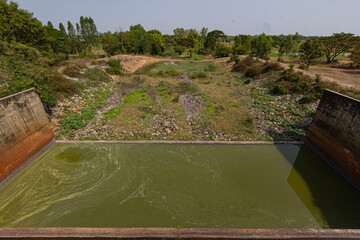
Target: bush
x,y
198,75
235,58
279,89
248,80
71,71
222,51
254,71
115,67
308,99
270,66
303,66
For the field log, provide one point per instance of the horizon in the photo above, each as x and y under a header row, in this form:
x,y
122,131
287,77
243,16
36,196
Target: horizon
x,y
233,17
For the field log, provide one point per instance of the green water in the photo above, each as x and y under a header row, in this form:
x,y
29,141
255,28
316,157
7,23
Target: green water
x,y
160,185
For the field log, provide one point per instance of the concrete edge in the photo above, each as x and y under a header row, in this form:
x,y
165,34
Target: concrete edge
x,y
337,93
174,233
12,95
26,163
187,142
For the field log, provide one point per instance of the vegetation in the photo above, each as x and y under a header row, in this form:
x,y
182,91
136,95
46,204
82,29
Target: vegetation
x,y
179,97
311,50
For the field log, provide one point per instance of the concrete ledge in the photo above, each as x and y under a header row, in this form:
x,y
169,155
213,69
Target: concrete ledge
x,y
188,142
174,233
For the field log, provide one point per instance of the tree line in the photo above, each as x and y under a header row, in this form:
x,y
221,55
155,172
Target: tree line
x,y
19,25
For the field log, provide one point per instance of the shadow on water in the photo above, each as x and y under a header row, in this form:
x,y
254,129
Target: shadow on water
x,y
333,202
76,154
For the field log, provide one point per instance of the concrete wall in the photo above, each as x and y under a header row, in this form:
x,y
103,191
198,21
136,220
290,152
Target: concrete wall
x,y
335,133
24,129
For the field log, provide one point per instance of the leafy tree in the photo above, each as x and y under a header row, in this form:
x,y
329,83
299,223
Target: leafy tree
x,y
213,38
242,44
111,44
156,43
222,51
141,39
311,50
50,25
19,25
287,46
62,28
355,55
337,44
71,30
204,32
89,33
261,46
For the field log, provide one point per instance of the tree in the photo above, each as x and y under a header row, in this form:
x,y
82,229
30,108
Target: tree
x,y
110,44
89,33
50,25
261,46
141,39
204,32
19,25
62,28
355,55
156,43
71,30
287,46
337,44
311,50
242,44
213,38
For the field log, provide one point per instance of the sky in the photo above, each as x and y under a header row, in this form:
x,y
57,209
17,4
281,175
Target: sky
x,y
233,17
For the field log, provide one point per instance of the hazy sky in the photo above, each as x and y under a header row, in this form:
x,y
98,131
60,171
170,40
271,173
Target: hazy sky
x,y
308,17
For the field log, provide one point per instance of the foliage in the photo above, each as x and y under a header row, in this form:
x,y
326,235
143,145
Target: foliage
x,y
21,69
115,67
156,44
337,44
287,46
311,50
71,71
222,51
252,68
213,38
261,46
355,55
110,44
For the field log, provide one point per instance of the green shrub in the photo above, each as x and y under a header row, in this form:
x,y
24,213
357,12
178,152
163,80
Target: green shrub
x,y
302,66
71,71
279,89
308,99
222,51
115,67
235,58
198,75
271,66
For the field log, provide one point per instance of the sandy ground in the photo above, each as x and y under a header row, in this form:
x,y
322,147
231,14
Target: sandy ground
x,y
345,77
129,63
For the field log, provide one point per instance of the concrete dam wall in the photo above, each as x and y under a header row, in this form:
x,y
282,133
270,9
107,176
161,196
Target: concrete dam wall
x,y
24,130
335,134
